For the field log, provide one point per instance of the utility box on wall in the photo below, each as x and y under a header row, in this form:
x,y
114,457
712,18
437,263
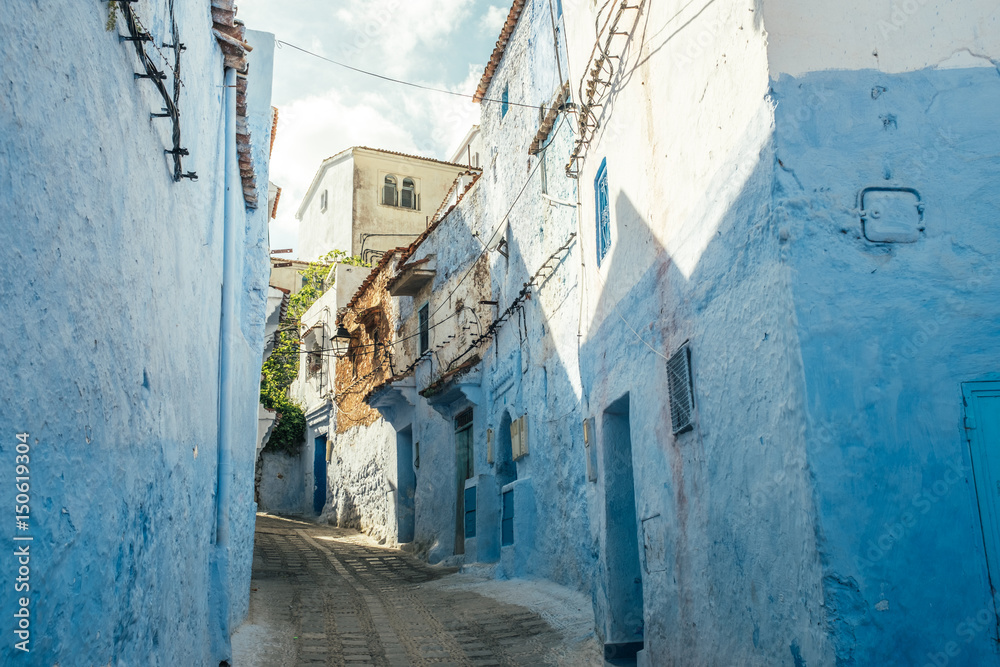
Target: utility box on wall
x,y
891,215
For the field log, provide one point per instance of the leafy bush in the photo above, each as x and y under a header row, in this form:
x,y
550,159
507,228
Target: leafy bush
x,y
281,368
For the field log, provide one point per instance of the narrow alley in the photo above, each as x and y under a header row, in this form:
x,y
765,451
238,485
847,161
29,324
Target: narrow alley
x,y
331,596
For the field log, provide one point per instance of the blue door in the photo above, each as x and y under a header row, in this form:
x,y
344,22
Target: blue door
x,y
982,423
319,475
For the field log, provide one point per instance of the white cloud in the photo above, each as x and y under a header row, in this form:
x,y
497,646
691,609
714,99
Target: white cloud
x,y
391,31
491,23
325,109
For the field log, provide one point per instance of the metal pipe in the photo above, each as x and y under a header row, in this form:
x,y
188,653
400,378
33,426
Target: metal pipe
x,y
233,188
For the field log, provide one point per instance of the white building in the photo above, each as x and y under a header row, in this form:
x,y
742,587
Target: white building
x,y
365,201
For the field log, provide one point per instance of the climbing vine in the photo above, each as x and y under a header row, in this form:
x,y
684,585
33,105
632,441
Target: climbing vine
x,y
282,366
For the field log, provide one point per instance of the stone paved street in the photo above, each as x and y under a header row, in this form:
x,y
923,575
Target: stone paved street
x,y
329,596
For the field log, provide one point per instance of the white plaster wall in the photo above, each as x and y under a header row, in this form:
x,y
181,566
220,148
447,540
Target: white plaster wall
x,y
898,36
288,277
694,257
310,390
354,179
361,476
322,231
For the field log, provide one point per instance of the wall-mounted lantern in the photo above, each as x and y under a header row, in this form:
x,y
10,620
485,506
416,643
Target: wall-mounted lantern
x,y
341,342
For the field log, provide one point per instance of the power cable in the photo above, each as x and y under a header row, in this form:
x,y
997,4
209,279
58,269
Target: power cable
x,y
400,81
501,223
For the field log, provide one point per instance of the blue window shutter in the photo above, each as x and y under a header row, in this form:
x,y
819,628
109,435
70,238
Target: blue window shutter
x,y
603,212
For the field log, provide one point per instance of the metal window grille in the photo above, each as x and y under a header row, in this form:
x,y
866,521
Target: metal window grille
x,y
681,390
463,419
423,315
470,512
507,521
603,211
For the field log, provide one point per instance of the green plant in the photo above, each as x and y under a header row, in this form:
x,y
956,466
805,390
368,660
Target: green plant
x,y
112,15
282,366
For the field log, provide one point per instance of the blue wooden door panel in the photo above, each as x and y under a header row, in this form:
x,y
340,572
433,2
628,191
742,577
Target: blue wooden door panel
x,y
982,412
319,474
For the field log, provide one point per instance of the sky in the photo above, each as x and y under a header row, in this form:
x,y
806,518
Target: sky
x,y
323,108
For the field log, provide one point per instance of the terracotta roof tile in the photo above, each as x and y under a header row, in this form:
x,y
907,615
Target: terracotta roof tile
x,y
409,250
410,155
231,33
498,51
384,262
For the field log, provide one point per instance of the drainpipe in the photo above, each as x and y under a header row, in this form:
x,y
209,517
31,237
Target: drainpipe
x,y
228,316
233,185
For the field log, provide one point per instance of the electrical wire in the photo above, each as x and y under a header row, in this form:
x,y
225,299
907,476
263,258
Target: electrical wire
x,y
401,82
503,220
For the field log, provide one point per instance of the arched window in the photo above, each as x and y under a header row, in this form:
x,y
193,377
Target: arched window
x,y
389,191
408,198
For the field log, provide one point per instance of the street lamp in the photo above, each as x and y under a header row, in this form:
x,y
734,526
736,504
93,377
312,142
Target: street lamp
x,y
341,342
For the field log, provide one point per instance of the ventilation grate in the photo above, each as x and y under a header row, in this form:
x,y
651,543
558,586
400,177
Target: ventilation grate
x,y
681,394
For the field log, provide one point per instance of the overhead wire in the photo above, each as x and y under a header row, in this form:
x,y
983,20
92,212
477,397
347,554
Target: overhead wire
x,y
402,82
496,229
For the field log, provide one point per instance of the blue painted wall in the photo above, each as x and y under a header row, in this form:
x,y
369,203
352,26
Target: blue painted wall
x,y
111,299
888,333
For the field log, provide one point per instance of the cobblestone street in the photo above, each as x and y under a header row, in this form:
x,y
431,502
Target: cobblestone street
x,y
329,596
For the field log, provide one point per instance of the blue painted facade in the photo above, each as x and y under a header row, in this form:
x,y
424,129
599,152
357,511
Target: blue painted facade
x,y
888,334
821,245
112,288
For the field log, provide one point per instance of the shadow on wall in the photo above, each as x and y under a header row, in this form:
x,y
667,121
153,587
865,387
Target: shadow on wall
x,y
680,543
848,431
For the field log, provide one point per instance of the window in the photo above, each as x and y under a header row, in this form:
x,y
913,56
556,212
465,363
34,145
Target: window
x,y
504,101
681,392
408,198
423,315
507,520
323,200
389,191
314,362
602,210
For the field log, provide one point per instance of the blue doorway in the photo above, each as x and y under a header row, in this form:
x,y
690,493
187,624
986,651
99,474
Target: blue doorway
x,y
319,474
624,634
406,486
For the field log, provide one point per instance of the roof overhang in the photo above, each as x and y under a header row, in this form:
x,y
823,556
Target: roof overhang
x,y
413,277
